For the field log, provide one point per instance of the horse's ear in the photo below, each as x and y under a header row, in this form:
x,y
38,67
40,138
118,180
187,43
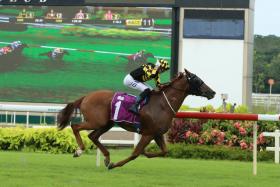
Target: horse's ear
x,y
188,74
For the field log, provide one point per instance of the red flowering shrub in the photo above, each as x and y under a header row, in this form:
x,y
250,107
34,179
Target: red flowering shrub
x,y
220,132
177,132
243,144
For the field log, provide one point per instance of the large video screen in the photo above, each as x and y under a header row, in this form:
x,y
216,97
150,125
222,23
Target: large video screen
x,y
55,54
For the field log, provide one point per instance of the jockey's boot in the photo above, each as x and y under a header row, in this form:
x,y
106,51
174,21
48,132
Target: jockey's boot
x,y
135,107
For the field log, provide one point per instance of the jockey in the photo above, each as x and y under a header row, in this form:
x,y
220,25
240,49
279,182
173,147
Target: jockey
x,y
139,54
56,52
137,78
5,50
80,15
15,45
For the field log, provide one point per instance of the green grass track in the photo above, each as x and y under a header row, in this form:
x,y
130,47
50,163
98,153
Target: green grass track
x,y
39,169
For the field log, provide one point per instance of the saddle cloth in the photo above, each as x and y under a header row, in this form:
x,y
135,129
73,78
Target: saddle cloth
x,y
120,104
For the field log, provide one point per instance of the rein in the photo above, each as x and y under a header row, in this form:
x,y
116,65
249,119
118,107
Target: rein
x,y
168,103
178,89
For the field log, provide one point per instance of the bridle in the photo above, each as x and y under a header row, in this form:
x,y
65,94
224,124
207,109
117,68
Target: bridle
x,y
195,83
193,80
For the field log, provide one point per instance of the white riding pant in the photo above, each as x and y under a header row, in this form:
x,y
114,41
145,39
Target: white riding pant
x,y
130,82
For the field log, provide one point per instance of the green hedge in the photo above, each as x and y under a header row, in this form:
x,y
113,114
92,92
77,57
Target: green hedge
x,y
183,151
46,140
110,33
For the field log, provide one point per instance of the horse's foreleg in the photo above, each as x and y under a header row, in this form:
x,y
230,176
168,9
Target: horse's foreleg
x,y
76,130
162,145
94,136
144,141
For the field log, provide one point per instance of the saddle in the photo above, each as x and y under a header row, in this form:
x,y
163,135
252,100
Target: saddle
x,y
120,104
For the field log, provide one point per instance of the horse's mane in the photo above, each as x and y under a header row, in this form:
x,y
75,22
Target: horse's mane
x,y
168,84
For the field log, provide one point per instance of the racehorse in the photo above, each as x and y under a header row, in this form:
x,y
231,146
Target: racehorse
x,y
16,51
11,58
134,60
57,57
19,49
156,116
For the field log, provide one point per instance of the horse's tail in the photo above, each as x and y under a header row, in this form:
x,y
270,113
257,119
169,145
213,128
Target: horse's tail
x,y
65,114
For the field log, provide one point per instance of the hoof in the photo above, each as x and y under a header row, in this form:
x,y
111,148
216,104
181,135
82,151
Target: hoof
x,y
110,166
78,153
106,162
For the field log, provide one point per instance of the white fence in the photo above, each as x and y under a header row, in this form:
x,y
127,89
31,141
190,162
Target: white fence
x,y
42,111
266,100
276,148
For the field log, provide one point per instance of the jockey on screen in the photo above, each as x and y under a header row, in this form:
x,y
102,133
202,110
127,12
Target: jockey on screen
x,y
56,52
137,78
15,45
139,54
5,50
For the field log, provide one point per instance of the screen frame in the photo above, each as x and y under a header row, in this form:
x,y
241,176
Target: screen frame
x,y
175,11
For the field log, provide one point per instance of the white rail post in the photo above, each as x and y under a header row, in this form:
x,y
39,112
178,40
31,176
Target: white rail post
x,y
55,119
6,117
44,118
255,130
98,155
136,139
27,119
276,149
14,120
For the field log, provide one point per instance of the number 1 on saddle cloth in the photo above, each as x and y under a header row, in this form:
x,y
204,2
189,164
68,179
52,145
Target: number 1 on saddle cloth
x,y
120,105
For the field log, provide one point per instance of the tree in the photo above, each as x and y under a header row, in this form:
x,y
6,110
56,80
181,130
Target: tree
x,y
266,63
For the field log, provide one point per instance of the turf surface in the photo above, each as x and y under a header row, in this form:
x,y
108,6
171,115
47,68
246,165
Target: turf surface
x,y
40,169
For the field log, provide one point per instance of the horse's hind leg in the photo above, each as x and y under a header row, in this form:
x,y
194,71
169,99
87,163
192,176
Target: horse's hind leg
x,y
94,136
162,145
144,141
76,130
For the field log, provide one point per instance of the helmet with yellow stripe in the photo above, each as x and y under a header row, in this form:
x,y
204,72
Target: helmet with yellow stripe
x,y
163,64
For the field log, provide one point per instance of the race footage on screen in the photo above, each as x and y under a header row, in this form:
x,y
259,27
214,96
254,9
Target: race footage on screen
x,y
56,53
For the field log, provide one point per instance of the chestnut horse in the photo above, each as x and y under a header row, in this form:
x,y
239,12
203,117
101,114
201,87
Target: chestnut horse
x,y
155,117
138,60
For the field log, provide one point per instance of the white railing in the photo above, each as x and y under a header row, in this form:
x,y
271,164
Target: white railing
x,y
230,116
276,148
28,110
265,99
